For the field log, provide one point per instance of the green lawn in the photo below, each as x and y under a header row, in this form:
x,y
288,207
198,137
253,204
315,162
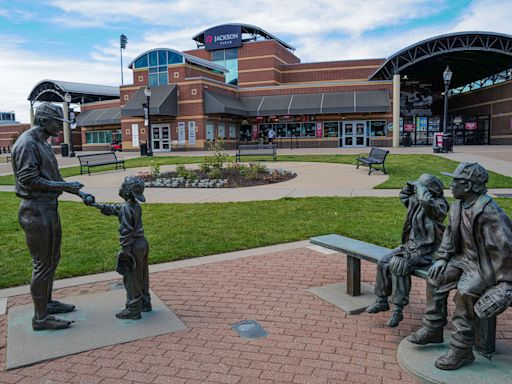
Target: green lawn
x,y
181,231
400,167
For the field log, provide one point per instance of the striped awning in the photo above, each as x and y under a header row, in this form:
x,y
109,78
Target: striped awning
x,y
95,117
298,104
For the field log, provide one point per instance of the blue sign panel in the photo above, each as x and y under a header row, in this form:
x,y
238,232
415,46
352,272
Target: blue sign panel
x,y
225,36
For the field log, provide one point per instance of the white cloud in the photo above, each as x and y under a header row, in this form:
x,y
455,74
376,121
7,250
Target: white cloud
x,y
21,70
321,30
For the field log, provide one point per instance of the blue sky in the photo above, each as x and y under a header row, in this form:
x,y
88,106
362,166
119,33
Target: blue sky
x,y
78,40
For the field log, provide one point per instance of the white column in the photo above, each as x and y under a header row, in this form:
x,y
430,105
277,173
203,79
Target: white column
x,y
65,112
396,110
31,114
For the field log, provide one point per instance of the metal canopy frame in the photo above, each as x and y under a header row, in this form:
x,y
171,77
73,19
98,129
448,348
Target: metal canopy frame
x,y
55,90
480,56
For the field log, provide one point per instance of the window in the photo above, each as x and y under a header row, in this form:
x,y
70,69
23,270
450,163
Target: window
x,y
378,128
228,58
331,129
309,130
280,130
102,137
294,129
232,131
157,62
221,131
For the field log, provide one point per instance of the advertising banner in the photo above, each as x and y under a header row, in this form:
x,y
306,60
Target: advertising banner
x,y
318,129
409,127
181,132
225,36
135,135
255,132
192,133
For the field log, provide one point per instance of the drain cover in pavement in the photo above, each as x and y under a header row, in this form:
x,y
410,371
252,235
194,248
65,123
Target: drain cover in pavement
x,y
249,329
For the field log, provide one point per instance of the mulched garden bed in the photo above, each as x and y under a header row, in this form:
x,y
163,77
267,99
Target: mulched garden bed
x,y
228,178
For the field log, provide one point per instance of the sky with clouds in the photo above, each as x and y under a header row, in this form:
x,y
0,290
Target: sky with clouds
x,y
78,40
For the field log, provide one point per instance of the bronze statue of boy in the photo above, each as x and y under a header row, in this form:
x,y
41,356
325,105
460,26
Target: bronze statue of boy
x,y
132,260
421,235
474,257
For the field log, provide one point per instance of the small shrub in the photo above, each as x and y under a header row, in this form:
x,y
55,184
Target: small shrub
x,y
218,157
259,168
250,172
190,175
181,171
205,167
214,173
154,169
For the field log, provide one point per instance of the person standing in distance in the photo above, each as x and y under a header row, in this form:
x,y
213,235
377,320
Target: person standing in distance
x,y
39,184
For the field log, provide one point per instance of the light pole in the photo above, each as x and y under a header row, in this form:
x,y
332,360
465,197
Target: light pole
x,y
447,77
147,92
67,99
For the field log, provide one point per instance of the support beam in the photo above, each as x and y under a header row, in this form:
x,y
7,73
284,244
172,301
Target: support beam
x,y
31,113
65,112
396,110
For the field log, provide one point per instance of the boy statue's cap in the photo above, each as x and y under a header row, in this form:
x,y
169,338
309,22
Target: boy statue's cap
x,y
136,186
473,172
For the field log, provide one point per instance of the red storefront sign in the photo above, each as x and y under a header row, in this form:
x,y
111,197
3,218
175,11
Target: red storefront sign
x,y
470,125
409,127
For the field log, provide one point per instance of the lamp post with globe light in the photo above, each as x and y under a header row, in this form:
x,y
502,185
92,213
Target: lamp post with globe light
x,y
447,77
67,99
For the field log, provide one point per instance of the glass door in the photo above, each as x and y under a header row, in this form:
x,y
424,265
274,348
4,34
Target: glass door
x,y
160,138
209,131
353,134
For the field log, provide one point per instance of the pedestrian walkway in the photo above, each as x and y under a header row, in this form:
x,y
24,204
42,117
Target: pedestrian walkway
x,y
309,340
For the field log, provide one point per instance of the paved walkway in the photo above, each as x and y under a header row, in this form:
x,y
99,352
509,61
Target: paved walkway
x,y
310,341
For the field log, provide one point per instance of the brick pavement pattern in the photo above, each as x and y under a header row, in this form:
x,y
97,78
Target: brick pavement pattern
x,y
310,341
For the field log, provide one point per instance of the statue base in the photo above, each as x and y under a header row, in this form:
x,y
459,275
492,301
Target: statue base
x,y
337,295
95,326
419,361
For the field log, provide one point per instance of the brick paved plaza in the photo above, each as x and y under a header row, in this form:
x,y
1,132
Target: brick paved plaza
x,y
309,341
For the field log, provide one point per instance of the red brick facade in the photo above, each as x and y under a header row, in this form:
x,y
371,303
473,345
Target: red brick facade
x,y
7,132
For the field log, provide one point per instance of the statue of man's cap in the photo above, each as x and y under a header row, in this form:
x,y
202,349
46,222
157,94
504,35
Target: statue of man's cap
x,y
136,185
52,111
473,172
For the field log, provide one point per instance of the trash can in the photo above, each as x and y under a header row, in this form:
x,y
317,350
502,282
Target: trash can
x,y
143,149
448,143
64,150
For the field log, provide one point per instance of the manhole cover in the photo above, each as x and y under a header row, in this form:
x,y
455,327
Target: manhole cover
x,y
249,329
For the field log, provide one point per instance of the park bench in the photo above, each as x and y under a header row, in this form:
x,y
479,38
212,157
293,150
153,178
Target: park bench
x,y
357,250
256,150
377,156
98,159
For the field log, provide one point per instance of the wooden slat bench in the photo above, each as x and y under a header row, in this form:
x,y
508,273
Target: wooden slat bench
x,y
357,250
376,156
256,150
98,159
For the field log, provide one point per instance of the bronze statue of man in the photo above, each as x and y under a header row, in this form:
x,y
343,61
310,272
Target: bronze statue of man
x,y
421,235
39,184
475,257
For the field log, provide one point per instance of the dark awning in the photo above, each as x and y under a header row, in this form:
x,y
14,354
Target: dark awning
x,y
94,117
164,102
299,104
224,104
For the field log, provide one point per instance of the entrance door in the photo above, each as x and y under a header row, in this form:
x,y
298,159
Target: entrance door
x,y
353,134
160,138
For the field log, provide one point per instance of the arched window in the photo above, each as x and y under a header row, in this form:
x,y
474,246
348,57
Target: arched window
x,y
157,61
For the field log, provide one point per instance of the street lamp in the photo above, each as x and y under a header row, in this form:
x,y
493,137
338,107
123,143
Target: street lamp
x,y
147,92
67,99
447,77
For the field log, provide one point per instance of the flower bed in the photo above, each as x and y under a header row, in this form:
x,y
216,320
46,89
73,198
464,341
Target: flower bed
x,y
234,176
